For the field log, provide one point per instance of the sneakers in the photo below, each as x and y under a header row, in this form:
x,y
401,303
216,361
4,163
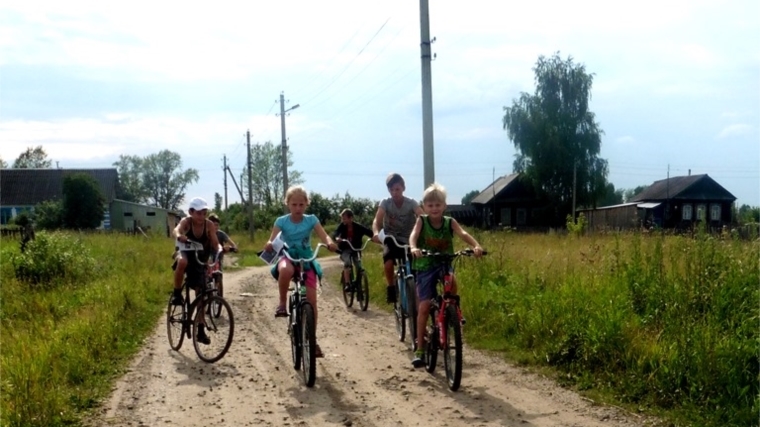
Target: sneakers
x,y
419,358
391,297
202,337
281,312
177,298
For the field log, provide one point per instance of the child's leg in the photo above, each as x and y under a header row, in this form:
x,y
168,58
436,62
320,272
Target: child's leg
x,y
179,272
311,293
389,273
422,315
285,271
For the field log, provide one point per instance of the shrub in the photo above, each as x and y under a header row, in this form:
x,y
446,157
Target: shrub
x,y
52,259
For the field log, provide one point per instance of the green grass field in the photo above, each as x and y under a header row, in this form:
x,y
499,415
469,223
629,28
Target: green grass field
x,y
665,325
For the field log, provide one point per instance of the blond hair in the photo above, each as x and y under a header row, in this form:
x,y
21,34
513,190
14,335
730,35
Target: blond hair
x,y
296,190
434,193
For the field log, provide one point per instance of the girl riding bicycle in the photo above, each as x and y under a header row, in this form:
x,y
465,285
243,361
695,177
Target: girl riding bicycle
x,y
296,228
433,232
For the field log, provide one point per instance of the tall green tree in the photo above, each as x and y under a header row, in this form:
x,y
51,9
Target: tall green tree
x,y
83,203
3,164
33,158
217,202
266,177
469,196
629,193
557,137
131,185
164,179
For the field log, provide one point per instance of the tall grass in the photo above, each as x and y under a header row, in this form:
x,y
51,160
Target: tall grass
x,y
667,325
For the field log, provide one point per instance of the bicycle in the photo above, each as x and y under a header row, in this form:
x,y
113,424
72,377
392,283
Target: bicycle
x,y
358,282
208,310
301,321
405,307
218,275
444,326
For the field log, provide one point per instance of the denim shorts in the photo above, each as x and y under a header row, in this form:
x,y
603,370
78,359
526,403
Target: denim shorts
x,y
427,281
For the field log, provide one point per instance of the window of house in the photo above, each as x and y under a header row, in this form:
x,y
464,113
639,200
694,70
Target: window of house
x,y
150,213
127,213
521,216
686,212
701,210
715,212
506,217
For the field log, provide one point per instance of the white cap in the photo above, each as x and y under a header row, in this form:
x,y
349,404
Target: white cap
x,y
198,204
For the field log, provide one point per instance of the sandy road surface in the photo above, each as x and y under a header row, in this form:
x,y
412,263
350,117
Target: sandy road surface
x,y
365,379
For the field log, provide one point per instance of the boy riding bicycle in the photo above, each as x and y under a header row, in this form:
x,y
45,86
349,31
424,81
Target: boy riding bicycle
x,y
396,215
223,239
351,232
433,232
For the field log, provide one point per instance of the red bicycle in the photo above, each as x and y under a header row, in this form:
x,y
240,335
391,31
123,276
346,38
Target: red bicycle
x,y
444,326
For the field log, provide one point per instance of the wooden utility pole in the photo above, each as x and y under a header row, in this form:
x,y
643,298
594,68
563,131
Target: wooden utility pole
x,y
427,96
224,168
250,188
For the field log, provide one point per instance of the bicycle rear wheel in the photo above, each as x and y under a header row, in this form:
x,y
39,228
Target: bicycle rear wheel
x,y
362,290
348,291
219,329
175,324
431,350
411,304
309,340
452,351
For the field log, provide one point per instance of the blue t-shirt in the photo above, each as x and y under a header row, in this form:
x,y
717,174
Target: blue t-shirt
x,y
297,235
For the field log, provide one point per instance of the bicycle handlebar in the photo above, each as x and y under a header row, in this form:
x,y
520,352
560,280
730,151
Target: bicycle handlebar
x,y
193,246
352,246
463,252
388,236
316,252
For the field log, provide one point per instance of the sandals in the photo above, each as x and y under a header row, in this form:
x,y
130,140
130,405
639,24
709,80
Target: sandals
x,y
281,312
318,351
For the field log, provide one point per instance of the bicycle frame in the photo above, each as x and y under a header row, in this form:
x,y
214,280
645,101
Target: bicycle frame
x,y
358,263
403,272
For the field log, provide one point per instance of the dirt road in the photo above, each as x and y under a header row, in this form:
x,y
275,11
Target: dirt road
x,y
365,379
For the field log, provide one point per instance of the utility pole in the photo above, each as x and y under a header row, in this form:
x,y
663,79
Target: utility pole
x,y
224,168
250,188
575,168
427,96
284,144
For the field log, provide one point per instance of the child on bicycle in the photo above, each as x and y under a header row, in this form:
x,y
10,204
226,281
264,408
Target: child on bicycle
x,y
396,215
197,228
352,232
296,228
223,239
433,232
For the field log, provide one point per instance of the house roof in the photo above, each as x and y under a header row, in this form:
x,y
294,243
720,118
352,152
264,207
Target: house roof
x,y
28,187
486,196
691,187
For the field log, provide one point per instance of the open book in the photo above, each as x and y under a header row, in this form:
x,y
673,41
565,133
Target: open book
x,y
271,257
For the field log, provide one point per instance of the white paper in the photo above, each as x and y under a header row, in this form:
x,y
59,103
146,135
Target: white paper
x,y
271,257
381,236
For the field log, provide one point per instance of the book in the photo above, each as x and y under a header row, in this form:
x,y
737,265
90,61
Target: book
x,y
271,257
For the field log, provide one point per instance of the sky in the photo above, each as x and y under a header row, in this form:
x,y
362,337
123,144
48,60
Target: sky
x,y
676,86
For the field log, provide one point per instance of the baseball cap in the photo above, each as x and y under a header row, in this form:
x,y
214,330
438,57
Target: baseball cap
x,y
214,217
198,204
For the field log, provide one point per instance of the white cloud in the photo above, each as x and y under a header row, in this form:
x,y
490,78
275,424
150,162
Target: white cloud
x,y
734,131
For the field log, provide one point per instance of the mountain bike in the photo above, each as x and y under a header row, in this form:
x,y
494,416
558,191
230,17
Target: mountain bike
x,y
208,311
358,285
405,307
444,326
301,321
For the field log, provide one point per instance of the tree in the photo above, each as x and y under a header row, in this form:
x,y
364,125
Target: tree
x,y
631,192
3,164
556,136
131,185
266,179
33,158
364,209
83,203
48,215
611,196
217,202
321,207
469,196
164,180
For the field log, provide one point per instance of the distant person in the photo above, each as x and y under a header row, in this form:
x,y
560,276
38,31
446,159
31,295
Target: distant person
x,y
396,215
296,228
198,228
351,232
433,232
223,239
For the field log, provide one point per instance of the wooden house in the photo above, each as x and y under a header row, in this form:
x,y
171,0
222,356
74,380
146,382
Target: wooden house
x,y
510,203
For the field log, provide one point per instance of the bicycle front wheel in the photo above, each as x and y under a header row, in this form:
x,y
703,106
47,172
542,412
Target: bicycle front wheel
x,y
294,330
362,291
219,329
431,346
411,304
175,324
309,341
452,351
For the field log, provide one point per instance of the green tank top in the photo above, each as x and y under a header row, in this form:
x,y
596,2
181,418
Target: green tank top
x,y
434,240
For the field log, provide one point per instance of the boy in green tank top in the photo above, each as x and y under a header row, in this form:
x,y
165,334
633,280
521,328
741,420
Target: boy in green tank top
x,y
433,232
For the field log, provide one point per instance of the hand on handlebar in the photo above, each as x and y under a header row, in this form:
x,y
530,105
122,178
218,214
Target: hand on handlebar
x,y
416,252
478,251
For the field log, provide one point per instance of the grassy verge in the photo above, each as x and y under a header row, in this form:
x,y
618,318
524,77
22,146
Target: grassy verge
x,y
663,325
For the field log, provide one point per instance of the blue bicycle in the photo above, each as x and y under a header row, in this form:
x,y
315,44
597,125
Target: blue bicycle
x,y
405,307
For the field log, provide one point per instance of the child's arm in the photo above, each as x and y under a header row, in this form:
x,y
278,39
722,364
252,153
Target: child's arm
x,y
324,237
180,230
212,237
275,230
459,231
377,224
414,236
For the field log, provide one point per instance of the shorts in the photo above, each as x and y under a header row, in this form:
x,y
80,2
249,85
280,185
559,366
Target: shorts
x,y
391,252
195,273
347,255
310,275
427,282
